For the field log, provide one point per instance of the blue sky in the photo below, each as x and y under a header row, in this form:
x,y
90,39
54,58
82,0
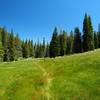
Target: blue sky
x,y
36,19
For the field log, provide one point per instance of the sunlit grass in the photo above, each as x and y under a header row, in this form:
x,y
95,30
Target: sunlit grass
x,y
75,77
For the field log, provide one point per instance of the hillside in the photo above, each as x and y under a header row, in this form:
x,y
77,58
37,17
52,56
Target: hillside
x,y
75,77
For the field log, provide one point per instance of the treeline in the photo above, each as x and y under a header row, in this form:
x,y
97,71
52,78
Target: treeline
x,y
12,48
62,43
75,42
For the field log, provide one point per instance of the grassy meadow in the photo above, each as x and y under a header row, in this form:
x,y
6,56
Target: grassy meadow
x,y
75,77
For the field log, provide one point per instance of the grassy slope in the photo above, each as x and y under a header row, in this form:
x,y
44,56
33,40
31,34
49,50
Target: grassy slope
x,y
75,77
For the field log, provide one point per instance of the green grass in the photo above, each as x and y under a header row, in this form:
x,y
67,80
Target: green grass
x,y
75,77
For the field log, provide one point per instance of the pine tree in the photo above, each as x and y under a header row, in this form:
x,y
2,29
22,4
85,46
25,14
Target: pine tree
x,y
4,37
54,44
70,43
44,48
11,47
99,39
41,54
40,49
47,50
92,34
88,38
23,46
31,51
1,52
77,41
4,40
25,49
37,49
18,49
96,44
63,43
1,34
98,36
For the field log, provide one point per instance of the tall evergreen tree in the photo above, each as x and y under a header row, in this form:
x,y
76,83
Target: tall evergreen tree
x,y
4,37
4,40
0,34
31,51
88,38
96,44
37,50
40,50
34,48
99,39
63,43
98,35
25,49
44,48
1,52
11,47
41,53
54,44
77,41
47,50
18,49
70,43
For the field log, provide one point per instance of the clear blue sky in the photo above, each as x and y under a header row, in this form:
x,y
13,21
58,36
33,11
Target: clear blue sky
x,y
36,19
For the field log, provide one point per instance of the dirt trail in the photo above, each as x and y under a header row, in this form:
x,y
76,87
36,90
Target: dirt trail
x,y
48,83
